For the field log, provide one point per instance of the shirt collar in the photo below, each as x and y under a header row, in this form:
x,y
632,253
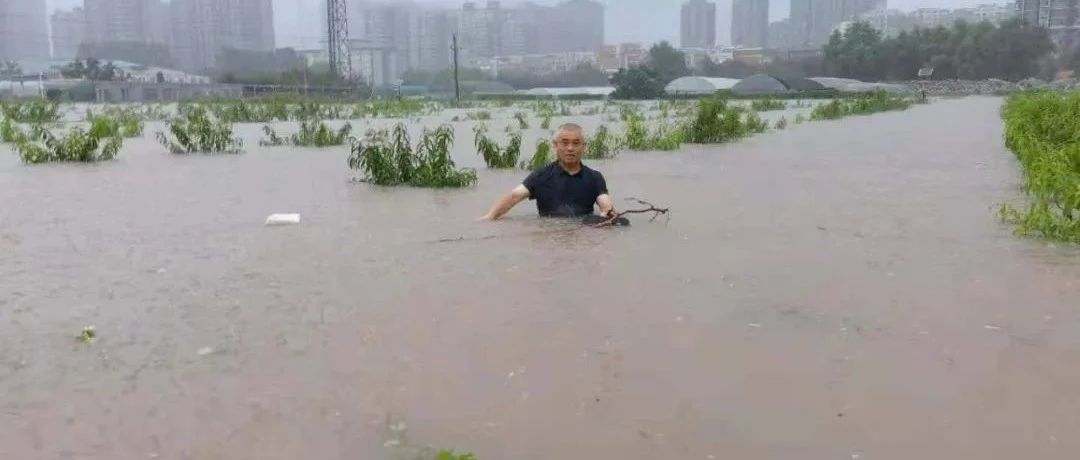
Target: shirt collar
x,y
564,172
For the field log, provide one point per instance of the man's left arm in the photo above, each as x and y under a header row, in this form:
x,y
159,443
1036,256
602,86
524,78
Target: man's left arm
x,y
603,200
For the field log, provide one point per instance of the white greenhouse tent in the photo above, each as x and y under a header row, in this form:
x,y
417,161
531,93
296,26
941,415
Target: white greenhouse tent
x,y
699,85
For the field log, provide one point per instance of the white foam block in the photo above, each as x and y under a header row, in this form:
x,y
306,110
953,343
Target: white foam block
x,y
283,219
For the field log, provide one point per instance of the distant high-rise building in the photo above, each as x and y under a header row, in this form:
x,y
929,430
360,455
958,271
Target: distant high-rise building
x,y
723,22
23,30
436,31
1049,13
201,29
115,20
579,25
812,21
750,23
394,28
479,29
68,32
697,26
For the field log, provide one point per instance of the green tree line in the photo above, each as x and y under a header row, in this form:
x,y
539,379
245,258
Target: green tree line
x,y
1010,51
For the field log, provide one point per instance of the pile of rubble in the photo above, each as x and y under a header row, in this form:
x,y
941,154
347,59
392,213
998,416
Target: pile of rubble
x,y
989,86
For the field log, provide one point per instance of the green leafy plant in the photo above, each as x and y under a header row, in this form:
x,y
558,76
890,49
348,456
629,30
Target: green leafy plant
x,y
522,122
494,155
76,146
716,122
602,144
545,123
764,105
1043,130
781,123
197,131
542,157
31,111
388,158
638,137
119,123
312,133
10,132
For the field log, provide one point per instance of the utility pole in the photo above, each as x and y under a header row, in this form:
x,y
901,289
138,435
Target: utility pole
x,y
457,86
337,34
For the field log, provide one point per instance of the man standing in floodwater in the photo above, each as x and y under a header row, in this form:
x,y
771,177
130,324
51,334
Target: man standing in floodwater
x,y
566,187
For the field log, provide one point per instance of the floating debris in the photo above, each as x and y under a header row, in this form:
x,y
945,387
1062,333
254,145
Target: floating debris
x,y
283,219
87,335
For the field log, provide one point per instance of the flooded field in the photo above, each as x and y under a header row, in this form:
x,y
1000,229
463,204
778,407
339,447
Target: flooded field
x,y
836,290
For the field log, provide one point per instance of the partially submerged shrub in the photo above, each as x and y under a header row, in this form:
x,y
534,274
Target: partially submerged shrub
x,y
120,123
312,134
764,105
31,111
716,122
10,132
388,158
77,145
638,137
197,131
863,104
602,144
494,155
542,157
522,122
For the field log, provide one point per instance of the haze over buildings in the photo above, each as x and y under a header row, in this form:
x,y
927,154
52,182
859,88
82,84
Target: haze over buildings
x,y
24,30
393,36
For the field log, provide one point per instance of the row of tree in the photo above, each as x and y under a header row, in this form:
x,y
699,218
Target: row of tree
x,y
1010,51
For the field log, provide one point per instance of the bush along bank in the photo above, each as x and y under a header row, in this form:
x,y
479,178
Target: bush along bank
x,y
1043,130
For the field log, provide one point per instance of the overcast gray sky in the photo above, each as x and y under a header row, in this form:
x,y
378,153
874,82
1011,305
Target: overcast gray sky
x,y
299,22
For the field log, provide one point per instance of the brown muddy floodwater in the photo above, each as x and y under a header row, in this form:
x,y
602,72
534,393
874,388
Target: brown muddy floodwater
x,y
838,290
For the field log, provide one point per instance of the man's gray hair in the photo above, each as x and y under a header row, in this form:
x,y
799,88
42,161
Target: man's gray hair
x,y
570,127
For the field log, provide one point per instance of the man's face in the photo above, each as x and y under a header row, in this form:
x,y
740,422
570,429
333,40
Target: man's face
x,y
569,146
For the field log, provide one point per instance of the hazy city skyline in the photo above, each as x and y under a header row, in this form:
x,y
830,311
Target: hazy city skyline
x,y
298,23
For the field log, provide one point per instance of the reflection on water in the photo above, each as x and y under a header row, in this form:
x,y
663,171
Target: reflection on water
x,y
834,289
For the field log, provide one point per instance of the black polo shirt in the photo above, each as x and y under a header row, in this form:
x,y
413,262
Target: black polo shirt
x,y
561,194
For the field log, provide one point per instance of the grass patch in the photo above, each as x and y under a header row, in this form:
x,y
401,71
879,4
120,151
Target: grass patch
x,y
1043,130
198,132
494,155
78,145
388,158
